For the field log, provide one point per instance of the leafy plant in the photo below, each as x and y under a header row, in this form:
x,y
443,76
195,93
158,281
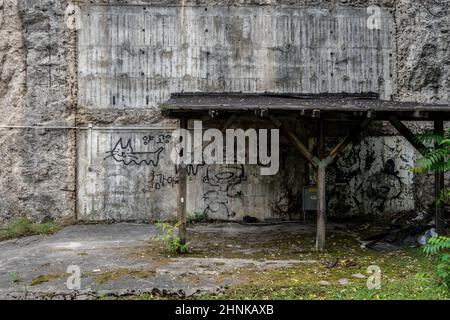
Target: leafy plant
x,y
439,246
14,278
437,158
170,239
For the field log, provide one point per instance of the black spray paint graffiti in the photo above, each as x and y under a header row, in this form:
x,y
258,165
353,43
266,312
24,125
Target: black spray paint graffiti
x,y
376,186
126,155
158,139
385,185
191,169
161,180
224,182
341,176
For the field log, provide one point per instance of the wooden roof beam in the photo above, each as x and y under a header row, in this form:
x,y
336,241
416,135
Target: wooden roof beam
x,y
405,132
295,141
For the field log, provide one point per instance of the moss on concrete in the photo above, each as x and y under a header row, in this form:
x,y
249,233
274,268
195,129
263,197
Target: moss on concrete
x,y
122,272
47,278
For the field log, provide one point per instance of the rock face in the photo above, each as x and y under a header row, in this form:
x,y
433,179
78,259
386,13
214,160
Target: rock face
x,y
39,179
423,37
47,78
12,91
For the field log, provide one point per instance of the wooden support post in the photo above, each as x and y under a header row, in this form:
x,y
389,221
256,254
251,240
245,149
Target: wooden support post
x,y
439,186
321,207
182,233
321,191
321,174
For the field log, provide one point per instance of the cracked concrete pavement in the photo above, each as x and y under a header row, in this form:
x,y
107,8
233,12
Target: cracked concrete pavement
x,y
121,259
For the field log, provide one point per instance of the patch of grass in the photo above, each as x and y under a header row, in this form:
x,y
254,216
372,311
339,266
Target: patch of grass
x,y
301,282
123,272
22,227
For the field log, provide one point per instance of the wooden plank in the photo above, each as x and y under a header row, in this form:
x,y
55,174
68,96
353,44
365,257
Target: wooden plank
x,y
439,186
249,102
405,132
321,208
294,140
321,189
182,232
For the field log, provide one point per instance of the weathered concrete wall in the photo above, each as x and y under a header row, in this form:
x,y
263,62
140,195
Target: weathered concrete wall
x,y
40,58
135,56
143,185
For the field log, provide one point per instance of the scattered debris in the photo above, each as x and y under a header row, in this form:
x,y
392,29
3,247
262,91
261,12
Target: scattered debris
x,y
250,219
332,264
423,239
396,238
411,217
347,263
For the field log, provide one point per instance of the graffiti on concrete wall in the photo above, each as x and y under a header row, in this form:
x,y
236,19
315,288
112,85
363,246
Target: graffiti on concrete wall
x,y
126,154
223,184
220,183
373,177
385,185
160,180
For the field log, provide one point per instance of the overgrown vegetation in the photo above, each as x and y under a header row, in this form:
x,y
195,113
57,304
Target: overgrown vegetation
x,y
197,216
172,242
437,159
46,278
302,282
122,272
439,247
22,227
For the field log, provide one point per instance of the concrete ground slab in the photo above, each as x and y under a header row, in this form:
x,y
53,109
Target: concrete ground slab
x,y
122,259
